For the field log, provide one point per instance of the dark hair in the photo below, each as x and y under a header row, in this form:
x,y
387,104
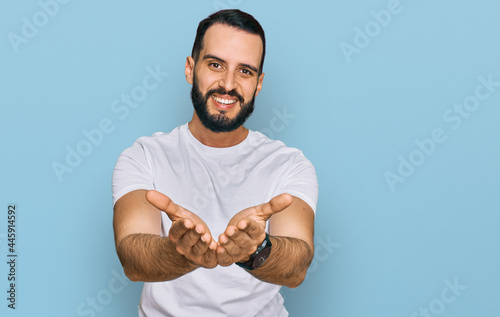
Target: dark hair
x,y
235,18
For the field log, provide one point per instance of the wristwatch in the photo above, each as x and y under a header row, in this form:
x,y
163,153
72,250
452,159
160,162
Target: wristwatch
x,y
258,257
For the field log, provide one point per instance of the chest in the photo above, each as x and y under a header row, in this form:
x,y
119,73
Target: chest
x,y
216,188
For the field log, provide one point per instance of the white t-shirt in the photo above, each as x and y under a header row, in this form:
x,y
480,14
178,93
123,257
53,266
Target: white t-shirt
x,y
215,184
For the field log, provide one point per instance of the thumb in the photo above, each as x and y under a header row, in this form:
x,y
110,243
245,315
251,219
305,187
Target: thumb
x,y
164,203
277,204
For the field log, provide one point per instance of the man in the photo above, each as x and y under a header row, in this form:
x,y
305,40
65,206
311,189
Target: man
x,y
215,218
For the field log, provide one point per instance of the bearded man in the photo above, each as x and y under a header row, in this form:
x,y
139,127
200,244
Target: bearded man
x,y
212,217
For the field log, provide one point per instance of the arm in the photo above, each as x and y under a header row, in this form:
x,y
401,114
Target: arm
x,y
144,254
291,234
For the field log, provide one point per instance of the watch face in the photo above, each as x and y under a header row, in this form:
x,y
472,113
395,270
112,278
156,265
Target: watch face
x,y
261,257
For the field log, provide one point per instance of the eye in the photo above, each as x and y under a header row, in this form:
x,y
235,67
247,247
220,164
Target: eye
x,y
246,72
215,65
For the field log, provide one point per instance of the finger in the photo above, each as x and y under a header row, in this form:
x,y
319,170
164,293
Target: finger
x,y
234,240
205,244
164,203
189,240
205,235
200,248
252,229
179,229
228,243
231,231
209,259
238,248
213,245
223,239
275,205
245,235
223,258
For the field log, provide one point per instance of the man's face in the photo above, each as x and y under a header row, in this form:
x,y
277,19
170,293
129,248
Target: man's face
x,y
219,122
225,78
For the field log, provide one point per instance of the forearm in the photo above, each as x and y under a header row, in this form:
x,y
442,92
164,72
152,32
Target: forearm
x,y
288,262
151,258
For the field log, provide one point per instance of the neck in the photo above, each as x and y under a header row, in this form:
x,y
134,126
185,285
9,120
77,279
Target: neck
x,y
216,139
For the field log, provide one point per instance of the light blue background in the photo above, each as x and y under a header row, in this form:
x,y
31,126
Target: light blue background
x,y
379,251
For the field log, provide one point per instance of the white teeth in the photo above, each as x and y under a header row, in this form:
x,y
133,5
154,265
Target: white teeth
x,y
224,101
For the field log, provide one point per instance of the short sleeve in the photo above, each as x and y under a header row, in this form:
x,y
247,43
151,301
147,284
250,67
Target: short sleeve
x,y
301,181
132,171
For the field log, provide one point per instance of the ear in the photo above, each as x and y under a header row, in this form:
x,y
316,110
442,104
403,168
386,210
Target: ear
x,y
189,69
259,84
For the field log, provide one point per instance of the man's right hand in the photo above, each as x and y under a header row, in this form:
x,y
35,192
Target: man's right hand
x,y
188,233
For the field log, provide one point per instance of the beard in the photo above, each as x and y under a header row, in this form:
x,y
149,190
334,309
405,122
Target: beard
x,y
220,122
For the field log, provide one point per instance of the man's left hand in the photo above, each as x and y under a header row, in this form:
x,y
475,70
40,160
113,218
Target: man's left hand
x,y
246,230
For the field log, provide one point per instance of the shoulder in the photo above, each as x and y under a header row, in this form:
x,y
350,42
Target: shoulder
x,y
260,140
263,144
156,141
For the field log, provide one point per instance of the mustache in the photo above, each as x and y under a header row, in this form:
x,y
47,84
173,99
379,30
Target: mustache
x,y
222,91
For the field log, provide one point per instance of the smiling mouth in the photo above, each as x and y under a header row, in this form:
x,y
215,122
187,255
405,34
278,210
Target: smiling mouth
x,y
224,101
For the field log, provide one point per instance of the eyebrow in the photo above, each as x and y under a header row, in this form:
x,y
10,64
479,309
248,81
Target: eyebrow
x,y
210,56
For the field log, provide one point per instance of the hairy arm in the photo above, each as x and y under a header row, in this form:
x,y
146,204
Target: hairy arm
x,y
291,233
292,236
151,258
148,257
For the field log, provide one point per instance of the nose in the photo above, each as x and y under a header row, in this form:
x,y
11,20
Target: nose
x,y
228,81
